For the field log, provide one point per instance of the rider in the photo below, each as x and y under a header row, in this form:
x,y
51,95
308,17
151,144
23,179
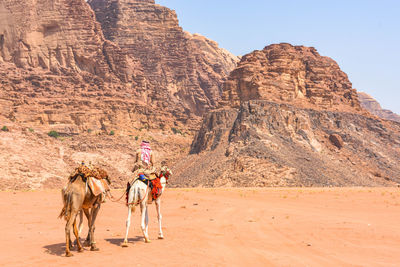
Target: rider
x,y
144,159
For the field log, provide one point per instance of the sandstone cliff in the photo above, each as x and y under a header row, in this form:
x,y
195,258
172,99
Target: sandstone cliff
x,y
60,72
370,104
186,70
59,35
285,73
291,118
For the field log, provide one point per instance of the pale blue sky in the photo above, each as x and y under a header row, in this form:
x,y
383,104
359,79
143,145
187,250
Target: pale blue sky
x,y
362,36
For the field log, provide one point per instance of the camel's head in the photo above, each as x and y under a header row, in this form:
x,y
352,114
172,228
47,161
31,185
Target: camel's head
x,y
166,172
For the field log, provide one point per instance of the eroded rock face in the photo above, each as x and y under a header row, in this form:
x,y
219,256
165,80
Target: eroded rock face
x,y
284,73
370,104
59,35
186,70
70,103
271,144
59,71
290,117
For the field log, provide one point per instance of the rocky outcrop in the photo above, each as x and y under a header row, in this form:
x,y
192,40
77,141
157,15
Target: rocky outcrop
x,y
71,103
59,72
290,117
271,144
59,36
285,73
186,70
370,104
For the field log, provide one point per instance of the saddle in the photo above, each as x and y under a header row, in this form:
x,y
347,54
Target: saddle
x,y
97,186
156,188
96,178
150,178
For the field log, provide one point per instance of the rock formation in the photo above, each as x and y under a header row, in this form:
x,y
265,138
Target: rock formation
x,y
144,77
186,70
58,35
59,71
105,79
370,104
286,73
291,118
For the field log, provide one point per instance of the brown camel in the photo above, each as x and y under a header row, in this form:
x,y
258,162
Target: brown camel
x,y
76,197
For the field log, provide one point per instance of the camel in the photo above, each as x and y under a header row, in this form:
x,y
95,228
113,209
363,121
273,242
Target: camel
x,y
77,197
139,194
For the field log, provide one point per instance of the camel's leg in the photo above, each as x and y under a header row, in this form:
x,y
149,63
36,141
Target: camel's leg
x,y
80,214
159,216
145,218
93,216
89,219
128,224
80,222
76,233
71,244
68,225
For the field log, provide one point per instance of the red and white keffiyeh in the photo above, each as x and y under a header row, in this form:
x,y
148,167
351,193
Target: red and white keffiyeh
x,y
146,150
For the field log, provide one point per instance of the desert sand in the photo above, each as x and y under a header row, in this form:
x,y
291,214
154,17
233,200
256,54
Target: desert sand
x,y
216,227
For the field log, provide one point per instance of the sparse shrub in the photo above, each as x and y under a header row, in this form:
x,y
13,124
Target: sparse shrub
x,y
176,131
112,132
31,130
89,130
136,137
5,129
54,134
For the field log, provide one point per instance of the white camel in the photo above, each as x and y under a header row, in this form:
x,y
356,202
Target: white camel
x,y
139,194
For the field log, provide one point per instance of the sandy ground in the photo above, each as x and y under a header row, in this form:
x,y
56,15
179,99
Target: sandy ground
x,y
216,227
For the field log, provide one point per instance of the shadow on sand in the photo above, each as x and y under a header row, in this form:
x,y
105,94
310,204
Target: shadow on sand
x,y
55,249
59,249
118,241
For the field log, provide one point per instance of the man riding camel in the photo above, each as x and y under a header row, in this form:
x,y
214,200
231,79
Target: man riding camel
x,y
144,159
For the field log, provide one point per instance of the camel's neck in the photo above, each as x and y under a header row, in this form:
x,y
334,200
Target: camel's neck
x,y
163,182
79,180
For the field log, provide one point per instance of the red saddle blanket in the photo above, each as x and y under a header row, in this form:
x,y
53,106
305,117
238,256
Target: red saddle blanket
x,y
97,186
156,188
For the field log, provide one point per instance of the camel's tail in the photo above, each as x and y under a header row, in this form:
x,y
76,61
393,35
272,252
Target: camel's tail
x,y
135,196
66,210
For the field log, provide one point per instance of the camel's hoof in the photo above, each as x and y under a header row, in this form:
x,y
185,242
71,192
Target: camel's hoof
x,y
147,240
160,237
94,249
80,250
68,254
124,245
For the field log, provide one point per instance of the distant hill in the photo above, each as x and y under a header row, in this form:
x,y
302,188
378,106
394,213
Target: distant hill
x,y
370,104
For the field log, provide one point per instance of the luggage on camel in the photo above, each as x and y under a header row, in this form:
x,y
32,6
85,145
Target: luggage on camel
x,y
96,178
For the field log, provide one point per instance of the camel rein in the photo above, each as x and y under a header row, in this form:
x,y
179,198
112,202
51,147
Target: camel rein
x,y
131,203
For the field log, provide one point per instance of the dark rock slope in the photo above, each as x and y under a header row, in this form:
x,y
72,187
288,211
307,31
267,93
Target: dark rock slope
x,y
268,134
